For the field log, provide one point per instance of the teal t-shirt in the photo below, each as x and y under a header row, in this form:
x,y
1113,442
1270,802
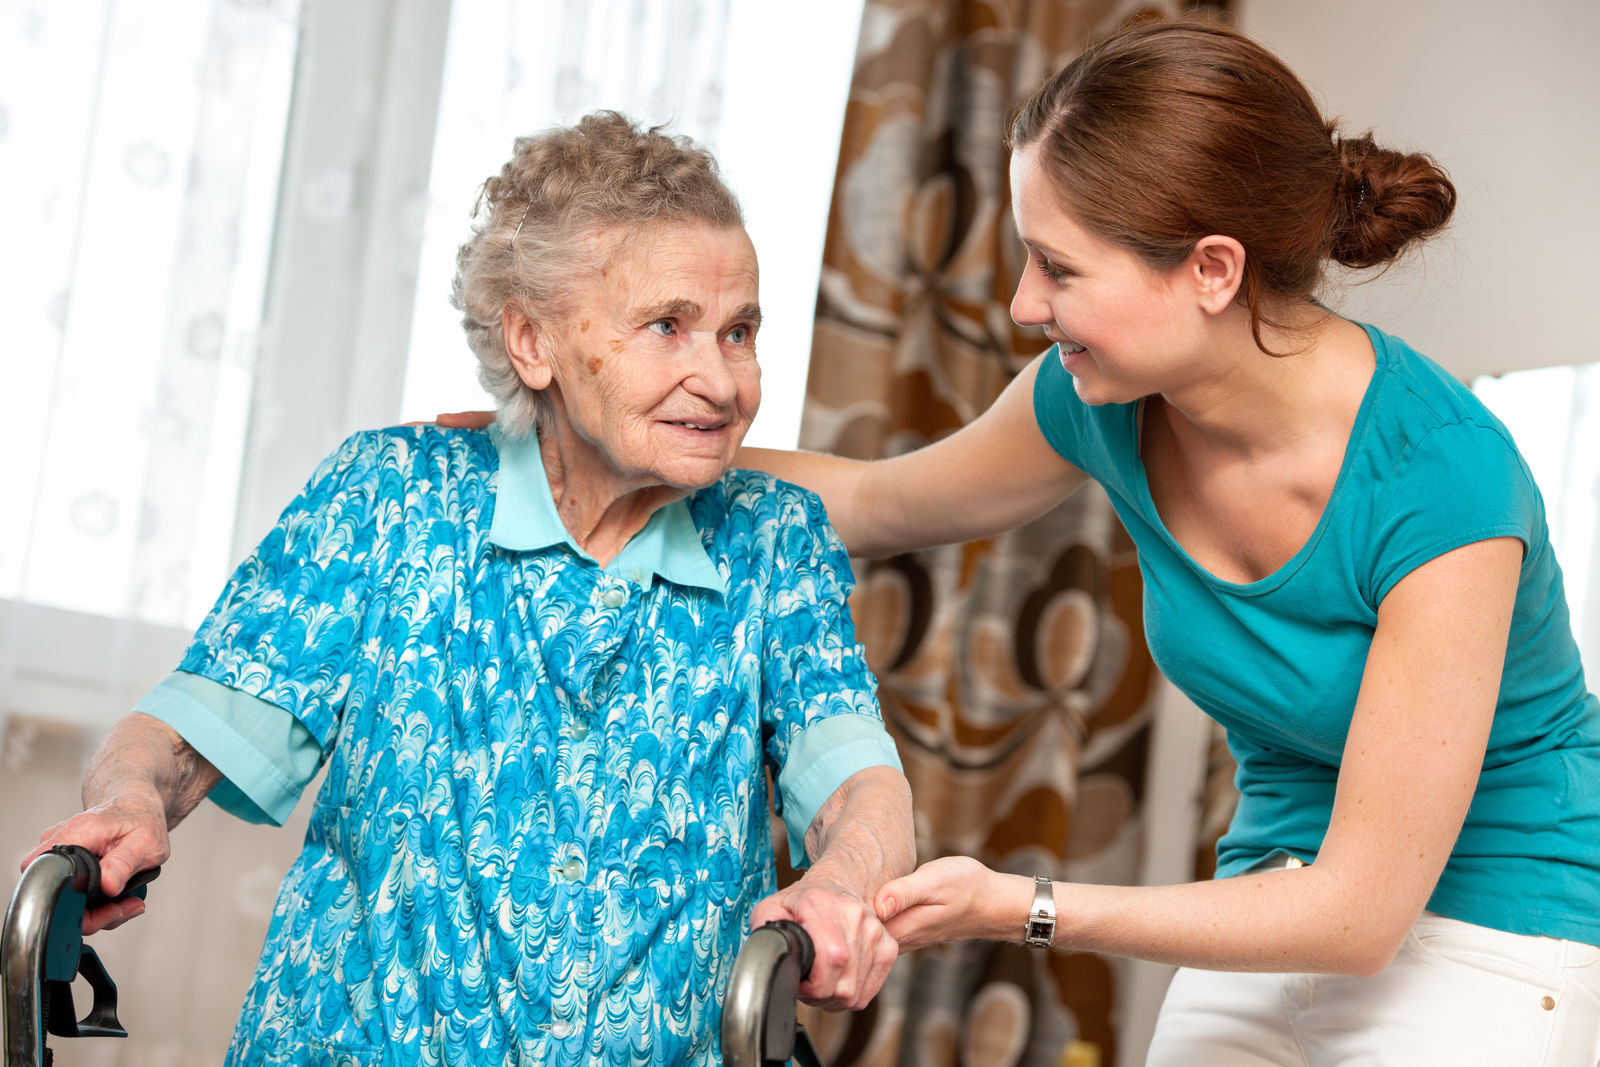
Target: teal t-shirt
x,y
1278,662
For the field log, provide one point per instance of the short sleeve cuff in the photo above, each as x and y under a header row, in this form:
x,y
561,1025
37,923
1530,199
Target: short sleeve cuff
x,y
820,758
266,755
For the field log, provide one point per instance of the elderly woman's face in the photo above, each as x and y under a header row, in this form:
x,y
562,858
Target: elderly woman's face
x,y
653,375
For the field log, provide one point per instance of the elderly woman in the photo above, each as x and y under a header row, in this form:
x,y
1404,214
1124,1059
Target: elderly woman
x,y
547,667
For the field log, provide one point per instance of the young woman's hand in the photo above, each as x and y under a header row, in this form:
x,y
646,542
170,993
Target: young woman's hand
x,y
952,899
464,420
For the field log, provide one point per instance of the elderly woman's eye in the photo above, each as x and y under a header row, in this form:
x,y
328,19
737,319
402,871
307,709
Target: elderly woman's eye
x,y
739,335
665,327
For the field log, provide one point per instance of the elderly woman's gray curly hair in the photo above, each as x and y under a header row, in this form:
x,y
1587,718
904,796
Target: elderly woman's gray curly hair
x,y
535,224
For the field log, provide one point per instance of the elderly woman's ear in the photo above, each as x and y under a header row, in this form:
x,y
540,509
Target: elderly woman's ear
x,y
522,336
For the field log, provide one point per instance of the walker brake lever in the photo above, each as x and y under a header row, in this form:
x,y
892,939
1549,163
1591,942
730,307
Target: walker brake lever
x,y
66,937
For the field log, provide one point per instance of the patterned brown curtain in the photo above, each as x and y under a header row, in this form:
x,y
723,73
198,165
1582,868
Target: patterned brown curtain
x,y
1013,671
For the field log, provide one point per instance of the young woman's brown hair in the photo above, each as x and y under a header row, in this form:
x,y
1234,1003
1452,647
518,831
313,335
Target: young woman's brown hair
x,y
1174,130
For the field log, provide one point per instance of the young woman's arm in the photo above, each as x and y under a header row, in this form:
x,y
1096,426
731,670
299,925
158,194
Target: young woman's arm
x,y
993,474
1410,767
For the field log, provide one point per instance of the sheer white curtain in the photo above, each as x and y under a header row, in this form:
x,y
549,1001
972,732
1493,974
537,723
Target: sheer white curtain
x,y
140,146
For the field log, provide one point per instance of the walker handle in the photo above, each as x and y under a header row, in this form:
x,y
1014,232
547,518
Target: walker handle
x,y
42,951
759,1028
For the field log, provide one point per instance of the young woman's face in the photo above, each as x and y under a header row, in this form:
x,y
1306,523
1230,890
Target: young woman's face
x,y
1124,329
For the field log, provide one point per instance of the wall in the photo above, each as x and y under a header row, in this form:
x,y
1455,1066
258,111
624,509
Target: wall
x,y
1506,97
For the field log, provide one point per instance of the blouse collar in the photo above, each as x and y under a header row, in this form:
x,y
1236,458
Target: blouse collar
x,y
525,519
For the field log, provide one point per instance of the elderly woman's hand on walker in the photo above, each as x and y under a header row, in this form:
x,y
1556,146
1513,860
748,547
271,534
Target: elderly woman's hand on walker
x,y
834,899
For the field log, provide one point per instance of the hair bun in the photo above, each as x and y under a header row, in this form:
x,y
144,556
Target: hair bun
x,y
1389,199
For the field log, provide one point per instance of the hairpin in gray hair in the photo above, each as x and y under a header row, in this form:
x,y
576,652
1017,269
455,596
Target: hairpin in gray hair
x,y
520,221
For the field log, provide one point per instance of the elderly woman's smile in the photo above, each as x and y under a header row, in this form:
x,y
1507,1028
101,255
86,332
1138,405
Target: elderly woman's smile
x,y
649,374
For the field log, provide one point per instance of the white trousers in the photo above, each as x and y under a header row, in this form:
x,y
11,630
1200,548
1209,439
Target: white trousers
x,y
1456,994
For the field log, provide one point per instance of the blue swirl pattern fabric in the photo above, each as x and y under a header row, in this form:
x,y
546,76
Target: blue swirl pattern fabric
x,y
544,819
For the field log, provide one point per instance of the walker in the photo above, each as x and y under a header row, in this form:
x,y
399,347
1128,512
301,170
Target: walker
x,y
42,950
759,1028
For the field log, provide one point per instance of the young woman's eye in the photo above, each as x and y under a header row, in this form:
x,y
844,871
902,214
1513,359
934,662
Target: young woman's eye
x,y
664,327
1051,271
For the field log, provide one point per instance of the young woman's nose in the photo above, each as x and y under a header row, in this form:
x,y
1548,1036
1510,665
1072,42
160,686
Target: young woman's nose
x,y
1029,306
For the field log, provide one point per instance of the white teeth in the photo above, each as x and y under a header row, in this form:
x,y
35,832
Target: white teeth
x,y
1071,347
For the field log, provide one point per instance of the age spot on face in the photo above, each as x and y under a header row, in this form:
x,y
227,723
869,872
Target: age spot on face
x,y
583,327
594,364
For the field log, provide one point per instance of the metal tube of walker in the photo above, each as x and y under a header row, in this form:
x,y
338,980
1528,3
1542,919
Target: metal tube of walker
x,y
22,956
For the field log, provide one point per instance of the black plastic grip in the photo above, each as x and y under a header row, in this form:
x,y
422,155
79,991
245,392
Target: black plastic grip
x,y
86,877
799,944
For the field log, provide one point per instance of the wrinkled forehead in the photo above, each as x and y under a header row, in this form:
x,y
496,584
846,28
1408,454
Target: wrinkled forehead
x,y
689,263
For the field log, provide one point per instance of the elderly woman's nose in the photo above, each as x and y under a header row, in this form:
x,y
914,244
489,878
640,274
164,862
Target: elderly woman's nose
x,y
712,376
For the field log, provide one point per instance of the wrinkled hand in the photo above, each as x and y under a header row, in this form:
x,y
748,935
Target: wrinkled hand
x,y
853,950
948,899
464,420
128,835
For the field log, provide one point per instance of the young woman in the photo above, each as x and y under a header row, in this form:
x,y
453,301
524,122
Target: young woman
x,y
1346,563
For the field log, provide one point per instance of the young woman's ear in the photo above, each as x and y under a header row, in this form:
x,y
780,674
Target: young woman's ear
x,y
523,338
1216,266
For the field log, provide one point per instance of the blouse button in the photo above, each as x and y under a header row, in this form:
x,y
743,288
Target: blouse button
x,y
578,731
572,870
613,598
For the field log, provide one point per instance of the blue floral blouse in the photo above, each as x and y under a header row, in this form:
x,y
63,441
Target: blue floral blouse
x,y
544,820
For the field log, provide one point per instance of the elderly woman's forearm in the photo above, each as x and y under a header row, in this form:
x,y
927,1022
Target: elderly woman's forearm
x,y
862,836
143,754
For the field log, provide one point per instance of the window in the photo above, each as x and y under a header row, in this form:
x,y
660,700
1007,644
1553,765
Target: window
x,y
142,146
230,229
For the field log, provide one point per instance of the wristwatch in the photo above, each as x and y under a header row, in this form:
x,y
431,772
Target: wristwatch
x,y
1041,928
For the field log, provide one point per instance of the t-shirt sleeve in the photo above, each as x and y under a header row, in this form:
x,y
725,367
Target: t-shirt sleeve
x,y
1464,482
820,707
287,627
